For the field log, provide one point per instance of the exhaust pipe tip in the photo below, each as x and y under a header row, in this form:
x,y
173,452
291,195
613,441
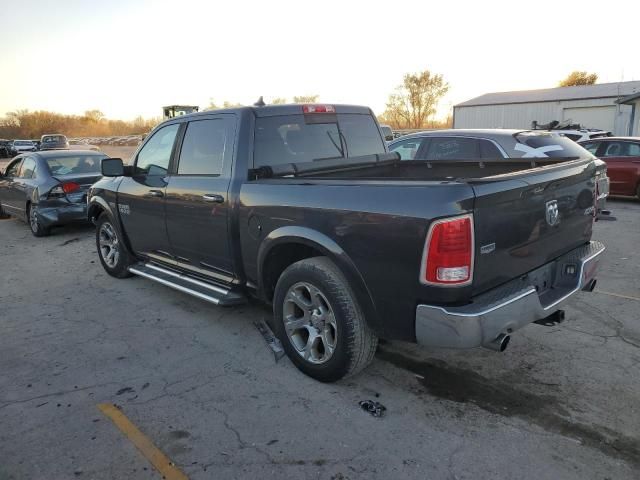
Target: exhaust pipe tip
x,y
499,344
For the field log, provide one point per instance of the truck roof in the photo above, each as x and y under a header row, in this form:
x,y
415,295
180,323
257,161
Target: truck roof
x,y
286,109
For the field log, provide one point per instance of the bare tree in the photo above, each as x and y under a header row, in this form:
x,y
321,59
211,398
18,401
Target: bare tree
x,y
279,101
579,78
416,100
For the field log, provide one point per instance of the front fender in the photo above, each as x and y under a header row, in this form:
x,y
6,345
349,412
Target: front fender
x,y
329,248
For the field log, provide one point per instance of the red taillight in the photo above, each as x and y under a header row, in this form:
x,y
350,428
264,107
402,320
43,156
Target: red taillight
x,y
70,187
318,109
448,253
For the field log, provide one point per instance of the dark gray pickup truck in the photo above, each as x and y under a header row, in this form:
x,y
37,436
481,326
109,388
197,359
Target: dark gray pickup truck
x,y
302,206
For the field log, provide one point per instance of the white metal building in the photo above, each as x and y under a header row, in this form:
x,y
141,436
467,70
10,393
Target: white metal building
x,y
608,106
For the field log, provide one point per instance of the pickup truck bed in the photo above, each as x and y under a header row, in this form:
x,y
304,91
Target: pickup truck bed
x,y
357,245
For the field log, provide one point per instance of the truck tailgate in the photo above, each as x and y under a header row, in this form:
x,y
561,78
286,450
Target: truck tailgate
x,y
525,220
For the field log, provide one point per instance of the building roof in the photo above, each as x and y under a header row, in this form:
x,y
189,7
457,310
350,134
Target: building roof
x,y
629,98
599,90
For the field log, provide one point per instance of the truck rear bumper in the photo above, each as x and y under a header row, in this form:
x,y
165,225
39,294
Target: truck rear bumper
x,y
511,306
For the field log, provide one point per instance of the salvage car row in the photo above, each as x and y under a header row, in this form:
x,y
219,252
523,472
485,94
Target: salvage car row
x,y
304,206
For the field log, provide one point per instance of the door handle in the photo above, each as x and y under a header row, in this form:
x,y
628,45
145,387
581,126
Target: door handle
x,y
212,197
155,193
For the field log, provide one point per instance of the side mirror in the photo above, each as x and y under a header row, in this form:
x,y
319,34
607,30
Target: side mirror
x,y
112,167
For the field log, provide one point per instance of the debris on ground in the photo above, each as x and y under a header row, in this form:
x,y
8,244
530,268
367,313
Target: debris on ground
x,y
67,242
274,344
376,409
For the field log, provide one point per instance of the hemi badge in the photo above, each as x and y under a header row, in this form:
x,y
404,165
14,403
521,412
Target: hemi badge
x,y
487,248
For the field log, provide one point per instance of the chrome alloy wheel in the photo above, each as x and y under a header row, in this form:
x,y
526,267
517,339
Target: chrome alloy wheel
x,y
33,218
109,245
310,323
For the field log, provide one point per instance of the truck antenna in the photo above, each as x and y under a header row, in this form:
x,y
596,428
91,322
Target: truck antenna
x,y
260,102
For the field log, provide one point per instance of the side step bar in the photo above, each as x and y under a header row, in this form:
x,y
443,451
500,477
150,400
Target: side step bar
x,y
197,288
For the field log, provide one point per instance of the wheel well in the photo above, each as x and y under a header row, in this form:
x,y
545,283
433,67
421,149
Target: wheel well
x,y
279,258
95,211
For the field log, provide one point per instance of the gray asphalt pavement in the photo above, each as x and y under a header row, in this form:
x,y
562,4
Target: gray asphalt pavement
x,y
199,381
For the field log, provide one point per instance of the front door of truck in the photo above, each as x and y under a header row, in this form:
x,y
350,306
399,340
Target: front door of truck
x,y
197,202
141,197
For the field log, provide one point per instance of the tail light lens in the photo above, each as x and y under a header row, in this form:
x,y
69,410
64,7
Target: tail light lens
x,y
64,189
448,252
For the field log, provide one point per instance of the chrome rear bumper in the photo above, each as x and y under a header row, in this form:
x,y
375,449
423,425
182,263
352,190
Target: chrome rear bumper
x,y
511,306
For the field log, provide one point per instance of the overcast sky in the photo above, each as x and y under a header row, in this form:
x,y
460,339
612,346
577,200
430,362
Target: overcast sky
x,y
129,58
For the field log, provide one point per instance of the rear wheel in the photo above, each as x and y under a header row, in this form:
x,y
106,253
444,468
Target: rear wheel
x,y
35,224
114,257
3,214
319,322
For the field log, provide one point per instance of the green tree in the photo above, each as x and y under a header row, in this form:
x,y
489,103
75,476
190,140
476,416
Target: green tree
x,y
416,100
278,101
579,78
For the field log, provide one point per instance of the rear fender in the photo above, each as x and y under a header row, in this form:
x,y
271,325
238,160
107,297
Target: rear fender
x,y
327,247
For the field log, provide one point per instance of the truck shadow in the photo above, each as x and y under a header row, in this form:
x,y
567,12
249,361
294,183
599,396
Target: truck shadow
x,y
447,382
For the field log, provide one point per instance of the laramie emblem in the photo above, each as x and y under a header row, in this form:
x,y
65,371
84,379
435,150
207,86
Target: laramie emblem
x,y
553,216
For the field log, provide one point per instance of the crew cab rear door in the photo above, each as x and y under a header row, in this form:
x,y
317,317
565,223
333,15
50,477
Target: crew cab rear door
x,y
197,202
141,196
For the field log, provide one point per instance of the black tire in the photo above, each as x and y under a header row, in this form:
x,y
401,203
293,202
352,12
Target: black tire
x,y
34,222
113,254
354,343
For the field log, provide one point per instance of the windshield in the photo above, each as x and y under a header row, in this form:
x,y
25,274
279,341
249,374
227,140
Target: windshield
x,y
306,138
75,164
23,143
532,144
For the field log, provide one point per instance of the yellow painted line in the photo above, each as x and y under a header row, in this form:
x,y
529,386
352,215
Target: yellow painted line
x,y
158,459
618,295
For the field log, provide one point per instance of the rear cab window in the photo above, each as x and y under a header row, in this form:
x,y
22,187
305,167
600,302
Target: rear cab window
x,y
301,137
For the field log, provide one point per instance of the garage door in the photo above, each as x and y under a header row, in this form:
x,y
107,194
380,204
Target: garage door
x,y
592,117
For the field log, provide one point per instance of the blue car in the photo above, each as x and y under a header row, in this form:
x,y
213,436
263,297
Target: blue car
x,y
48,188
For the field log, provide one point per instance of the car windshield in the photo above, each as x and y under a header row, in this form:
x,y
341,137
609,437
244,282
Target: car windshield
x,y
533,144
305,138
23,142
75,164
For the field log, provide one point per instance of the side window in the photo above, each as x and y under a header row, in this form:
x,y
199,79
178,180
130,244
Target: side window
x,y
407,148
592,147
489,150
452,148
203,148
634,149
28,168
614,149
572,136
13,169
154,157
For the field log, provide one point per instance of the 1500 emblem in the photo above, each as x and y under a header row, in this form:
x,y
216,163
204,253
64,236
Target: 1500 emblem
x,y
553,216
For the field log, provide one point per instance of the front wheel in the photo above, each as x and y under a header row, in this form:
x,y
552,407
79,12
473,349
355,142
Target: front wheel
x,y
319,322
114,257
35,224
